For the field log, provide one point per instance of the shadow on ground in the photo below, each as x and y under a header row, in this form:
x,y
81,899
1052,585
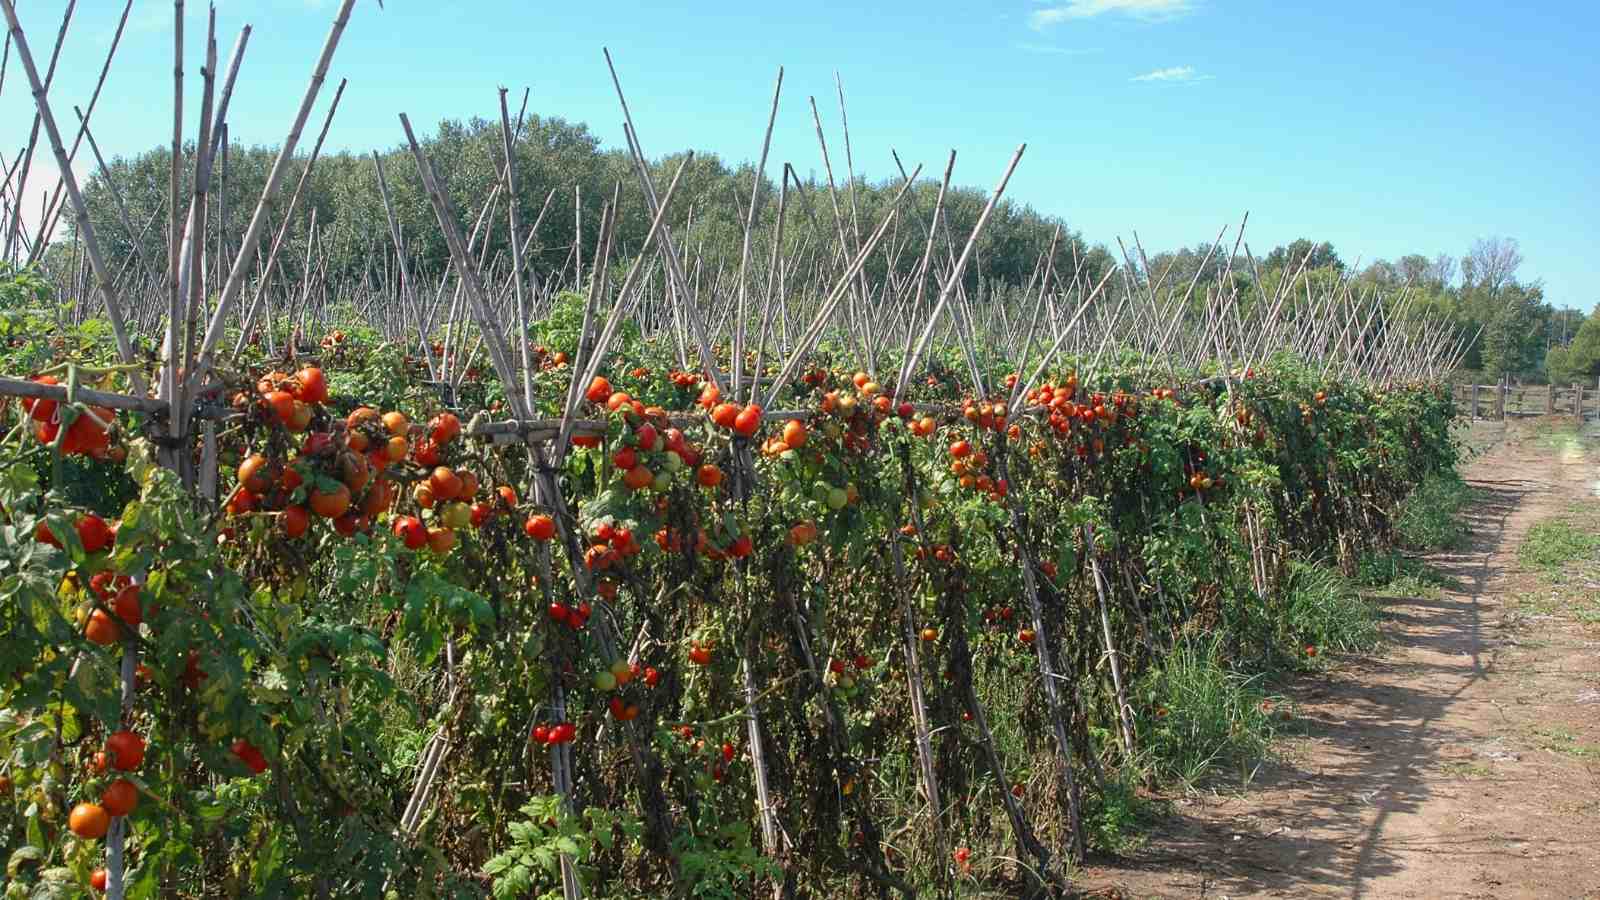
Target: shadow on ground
x,y
1380,724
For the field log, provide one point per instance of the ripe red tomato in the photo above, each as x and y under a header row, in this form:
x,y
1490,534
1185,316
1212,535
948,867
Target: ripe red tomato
x,y
540,527
102,629
445,482
646,436
748,421
281,403
253,474
120,798
94,533
250,756
126,605
725,415
294,520
313,387
411,530
330,504
125,749
444,428
481,514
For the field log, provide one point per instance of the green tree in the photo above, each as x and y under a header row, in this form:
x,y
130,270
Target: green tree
x,y
1322,256
1580,360
1514,336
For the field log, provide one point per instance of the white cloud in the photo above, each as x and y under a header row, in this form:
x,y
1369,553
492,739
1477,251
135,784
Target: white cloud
x,y
1173,75
1149,10
43,175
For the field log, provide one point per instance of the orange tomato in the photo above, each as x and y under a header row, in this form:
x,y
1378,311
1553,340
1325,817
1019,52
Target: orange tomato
x,y
313,386
89,821
445,483
102,629
330,504
282,405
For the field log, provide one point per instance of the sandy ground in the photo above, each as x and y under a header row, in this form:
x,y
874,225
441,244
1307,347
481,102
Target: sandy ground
x,y
1462,761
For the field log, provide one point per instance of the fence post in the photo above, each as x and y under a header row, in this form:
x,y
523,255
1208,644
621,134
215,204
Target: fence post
x,y
1474,401
1577,403
1500,401
1550,398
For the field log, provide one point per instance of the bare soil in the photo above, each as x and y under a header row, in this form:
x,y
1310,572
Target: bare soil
x,y
1462,761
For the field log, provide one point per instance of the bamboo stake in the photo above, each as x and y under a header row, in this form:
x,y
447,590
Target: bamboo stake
x,y
252,236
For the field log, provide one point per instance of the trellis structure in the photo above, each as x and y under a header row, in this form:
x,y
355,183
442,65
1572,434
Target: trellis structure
x,y
750,327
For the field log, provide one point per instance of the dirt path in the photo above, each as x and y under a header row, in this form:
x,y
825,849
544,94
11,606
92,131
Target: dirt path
x,y
1462,762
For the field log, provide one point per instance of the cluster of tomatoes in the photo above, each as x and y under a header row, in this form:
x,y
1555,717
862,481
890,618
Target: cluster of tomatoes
x,y
617,678
744,421
968,465
346,474
610,545
574,617
88,434
685,380
846,671
988,416
94,533
719,756
1001,617
552,735
547,360
250,755
1200,478
861,412
118,597
124,752
1246,420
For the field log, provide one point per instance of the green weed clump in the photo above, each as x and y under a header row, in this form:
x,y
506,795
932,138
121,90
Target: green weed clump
x,y
1324,610
1200,715
1431,517
1550,545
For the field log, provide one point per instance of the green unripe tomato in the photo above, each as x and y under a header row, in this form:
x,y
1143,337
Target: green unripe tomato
x,y
457,515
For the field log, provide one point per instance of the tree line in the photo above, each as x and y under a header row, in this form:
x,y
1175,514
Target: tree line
x,y
1519,334
566,175
564,163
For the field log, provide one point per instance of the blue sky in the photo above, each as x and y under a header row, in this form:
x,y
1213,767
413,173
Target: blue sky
x,y
1385,128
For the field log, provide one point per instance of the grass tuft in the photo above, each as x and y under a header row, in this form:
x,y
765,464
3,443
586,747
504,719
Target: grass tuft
x,y
1201,716
1551,545
1325,611
1430,518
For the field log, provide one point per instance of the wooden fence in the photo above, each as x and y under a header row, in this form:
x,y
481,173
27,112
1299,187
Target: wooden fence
x,y
1496,401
